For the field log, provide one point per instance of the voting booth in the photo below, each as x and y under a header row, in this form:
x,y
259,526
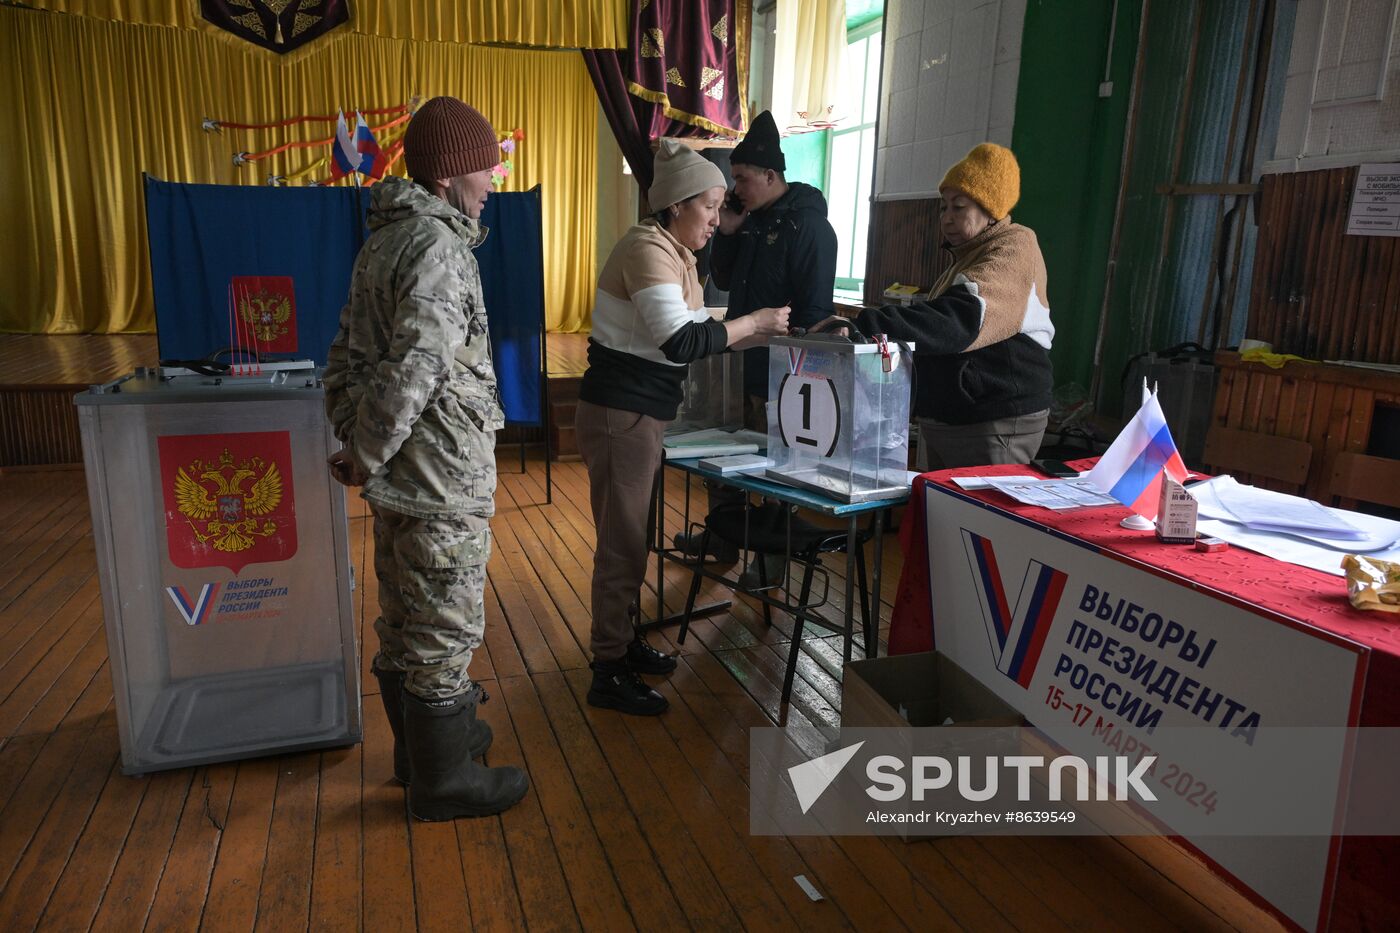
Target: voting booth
x,y
222,556
838,419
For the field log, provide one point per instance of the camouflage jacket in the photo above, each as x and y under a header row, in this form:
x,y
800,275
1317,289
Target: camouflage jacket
x,y
410,388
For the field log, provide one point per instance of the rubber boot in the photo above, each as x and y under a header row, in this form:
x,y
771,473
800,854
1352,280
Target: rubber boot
x,y
390,686
447,783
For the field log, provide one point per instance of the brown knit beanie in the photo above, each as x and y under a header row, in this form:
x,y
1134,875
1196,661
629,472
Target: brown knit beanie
x,y
447,138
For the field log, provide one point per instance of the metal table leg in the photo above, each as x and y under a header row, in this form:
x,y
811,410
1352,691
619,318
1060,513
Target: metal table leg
x,y
872,638
850,590
658,505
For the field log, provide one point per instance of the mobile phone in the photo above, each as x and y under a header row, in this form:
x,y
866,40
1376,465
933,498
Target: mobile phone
x,y
1055,468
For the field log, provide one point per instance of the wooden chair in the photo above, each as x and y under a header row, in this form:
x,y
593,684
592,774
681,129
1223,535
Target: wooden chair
x,y
1358,477
1267,456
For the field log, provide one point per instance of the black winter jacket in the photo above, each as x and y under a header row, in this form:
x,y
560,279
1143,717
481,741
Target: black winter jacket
x,y
784,254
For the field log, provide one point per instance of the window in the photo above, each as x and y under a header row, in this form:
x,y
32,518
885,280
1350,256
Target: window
x,y
851,162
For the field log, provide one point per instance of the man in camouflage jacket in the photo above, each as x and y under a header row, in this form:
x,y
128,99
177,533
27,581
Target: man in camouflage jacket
x,y
411,393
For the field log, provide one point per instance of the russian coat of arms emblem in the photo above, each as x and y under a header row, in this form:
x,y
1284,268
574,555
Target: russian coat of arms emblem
x,y
228,498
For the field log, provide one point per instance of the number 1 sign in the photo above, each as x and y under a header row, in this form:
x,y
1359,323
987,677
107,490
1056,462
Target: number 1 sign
x,y
809,413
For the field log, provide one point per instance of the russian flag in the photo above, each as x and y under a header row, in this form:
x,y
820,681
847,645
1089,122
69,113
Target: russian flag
x,y
372,161
345,158
1131,471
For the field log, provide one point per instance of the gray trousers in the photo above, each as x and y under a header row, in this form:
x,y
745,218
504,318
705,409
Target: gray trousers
x,y
621,450
1005,440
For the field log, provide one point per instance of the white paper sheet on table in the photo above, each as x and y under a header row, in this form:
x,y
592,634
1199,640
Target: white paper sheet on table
x,y
1380,536
1057,494
1266,510
984,482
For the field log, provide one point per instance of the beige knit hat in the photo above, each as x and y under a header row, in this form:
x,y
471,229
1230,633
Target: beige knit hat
x,y
990,176
680,173
447,138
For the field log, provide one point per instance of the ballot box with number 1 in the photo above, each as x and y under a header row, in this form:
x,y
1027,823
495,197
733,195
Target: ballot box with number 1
x,y
838,415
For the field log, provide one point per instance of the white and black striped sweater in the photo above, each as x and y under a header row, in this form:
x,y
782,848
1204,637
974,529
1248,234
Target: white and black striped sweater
x,y
649,321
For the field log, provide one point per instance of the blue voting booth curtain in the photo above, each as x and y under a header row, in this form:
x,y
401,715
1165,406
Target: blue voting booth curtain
x,y
201,236
512,278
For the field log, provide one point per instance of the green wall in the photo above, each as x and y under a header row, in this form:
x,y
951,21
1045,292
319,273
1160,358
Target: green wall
x,y
805,154
1069,142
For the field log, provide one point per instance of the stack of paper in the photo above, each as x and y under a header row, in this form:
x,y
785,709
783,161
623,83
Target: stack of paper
x,y
739,463
712,442
1266,510
1290,528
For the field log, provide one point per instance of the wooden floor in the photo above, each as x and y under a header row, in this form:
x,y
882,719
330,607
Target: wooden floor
x,y
629,823
83,359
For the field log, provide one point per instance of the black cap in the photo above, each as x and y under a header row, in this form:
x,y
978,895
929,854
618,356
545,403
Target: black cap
x,y
760,146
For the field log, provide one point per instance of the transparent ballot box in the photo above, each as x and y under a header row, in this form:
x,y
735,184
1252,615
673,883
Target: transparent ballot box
x,y
224,568
838,422
713,394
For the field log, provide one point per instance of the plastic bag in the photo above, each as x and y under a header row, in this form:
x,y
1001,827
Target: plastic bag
x,y
1372,583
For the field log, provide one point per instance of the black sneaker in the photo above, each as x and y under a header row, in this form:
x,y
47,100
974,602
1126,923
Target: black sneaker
x,y
642,658
616,687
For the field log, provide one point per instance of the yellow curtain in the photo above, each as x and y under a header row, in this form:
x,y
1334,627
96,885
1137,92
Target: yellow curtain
x,y
594,24
89,105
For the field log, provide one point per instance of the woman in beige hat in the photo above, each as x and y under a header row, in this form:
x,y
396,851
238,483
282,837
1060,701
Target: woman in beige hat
x,y
649,321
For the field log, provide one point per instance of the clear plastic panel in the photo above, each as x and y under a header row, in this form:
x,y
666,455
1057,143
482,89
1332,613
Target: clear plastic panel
x,y
221,647
838,423
713,394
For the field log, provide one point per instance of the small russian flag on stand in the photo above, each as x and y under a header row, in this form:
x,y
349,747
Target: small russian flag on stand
x,y
345,158
1131,471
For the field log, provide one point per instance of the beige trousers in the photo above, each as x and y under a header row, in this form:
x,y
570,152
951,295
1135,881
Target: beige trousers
x,y
621,450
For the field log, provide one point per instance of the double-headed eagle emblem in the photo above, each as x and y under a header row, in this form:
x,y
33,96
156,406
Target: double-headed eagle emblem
x,y
267,312
211,497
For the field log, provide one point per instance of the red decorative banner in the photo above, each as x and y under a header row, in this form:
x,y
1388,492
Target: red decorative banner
x,y
267,312
228,499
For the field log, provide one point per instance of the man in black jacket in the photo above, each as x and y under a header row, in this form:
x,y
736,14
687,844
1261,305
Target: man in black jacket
x,y
774,248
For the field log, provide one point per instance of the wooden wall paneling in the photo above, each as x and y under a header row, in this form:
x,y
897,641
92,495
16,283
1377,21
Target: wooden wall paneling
x,y
1223,385
1318,292
1269,397
38,426
1389,312
1363,406
1317,430
904,246
1338,419
1284,419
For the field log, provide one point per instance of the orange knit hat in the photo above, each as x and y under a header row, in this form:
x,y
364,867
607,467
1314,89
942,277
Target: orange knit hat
x,y
990,176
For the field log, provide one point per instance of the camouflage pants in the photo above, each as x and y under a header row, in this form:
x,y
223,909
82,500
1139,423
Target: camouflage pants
x,y
431,575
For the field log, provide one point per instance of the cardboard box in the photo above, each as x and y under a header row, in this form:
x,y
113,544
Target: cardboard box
x,y
906,691
903,294
924,689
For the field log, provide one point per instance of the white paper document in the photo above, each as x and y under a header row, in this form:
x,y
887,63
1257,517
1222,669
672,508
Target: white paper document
x,y
1057,494
1278,533
984,482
